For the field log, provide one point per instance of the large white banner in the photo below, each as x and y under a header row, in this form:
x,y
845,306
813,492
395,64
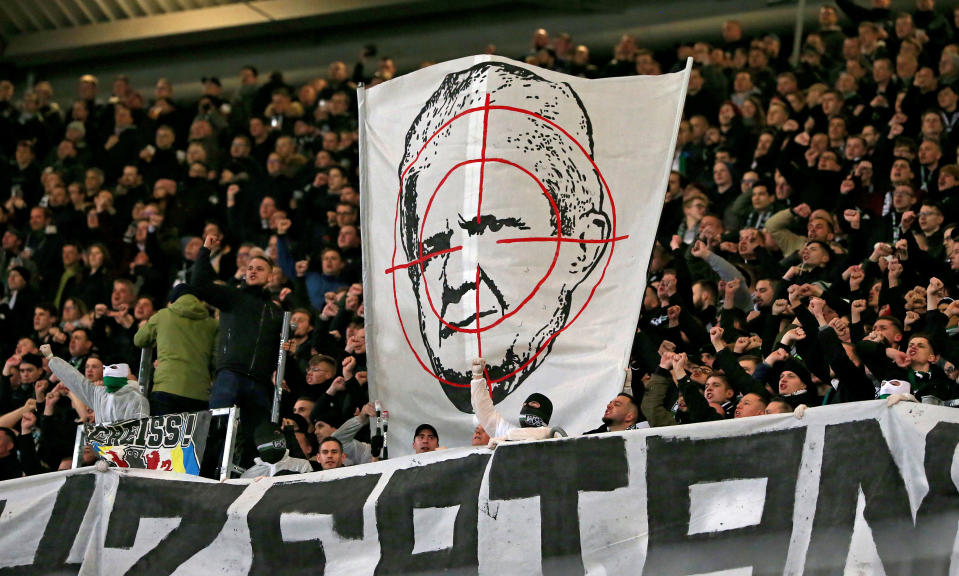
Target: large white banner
x,y
856,489
508,212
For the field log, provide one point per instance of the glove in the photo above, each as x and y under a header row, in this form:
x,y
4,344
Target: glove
x,y
376,445
894,399
800,411
479,365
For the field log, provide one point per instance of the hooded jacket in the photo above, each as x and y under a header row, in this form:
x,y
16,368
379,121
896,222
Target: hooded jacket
x,y
185,337
125,404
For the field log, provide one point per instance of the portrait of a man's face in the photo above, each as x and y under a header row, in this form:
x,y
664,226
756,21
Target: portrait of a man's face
x,y
501,220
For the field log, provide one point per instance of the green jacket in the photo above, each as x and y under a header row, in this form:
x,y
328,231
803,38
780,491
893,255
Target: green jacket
x,y
185,336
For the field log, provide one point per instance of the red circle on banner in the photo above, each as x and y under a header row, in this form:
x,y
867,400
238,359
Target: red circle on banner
x,y
486,110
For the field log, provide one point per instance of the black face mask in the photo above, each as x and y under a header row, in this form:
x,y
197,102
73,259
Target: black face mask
x,y
536,416
273,450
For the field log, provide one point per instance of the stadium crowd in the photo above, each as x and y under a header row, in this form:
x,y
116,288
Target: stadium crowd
x,y
805,255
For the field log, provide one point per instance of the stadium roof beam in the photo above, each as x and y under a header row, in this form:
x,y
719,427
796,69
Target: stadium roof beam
x,y
67,13
123,34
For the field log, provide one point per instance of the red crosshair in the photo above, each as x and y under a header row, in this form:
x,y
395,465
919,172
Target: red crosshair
x,y
558,239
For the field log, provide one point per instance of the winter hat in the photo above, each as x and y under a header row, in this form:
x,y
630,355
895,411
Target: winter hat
x,y
890,387
180,289
799,369
533,417
21,270
115,376
33,359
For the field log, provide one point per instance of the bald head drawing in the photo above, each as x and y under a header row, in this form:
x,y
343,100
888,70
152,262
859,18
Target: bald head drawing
x,y
498,193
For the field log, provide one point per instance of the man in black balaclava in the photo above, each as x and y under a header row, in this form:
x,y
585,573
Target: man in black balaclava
x,y
274,458
533,417
536,411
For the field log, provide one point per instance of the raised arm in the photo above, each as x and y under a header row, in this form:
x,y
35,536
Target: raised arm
x,y
491,420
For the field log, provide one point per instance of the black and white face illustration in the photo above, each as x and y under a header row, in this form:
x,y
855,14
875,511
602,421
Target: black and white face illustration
x,y
501,218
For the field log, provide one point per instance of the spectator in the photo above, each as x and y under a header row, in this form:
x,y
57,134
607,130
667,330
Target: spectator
x,y
250,325
185,337
120,398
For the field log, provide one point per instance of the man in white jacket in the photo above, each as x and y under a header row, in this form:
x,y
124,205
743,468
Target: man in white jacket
x,y
118,399
534,416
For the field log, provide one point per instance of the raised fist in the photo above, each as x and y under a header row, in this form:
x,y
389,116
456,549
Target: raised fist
x,y
478,367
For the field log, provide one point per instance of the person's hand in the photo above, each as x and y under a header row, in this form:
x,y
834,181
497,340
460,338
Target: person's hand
x,y
478,367
810,290
368,410
27,422
800,411
699,250
675,242
854,217
349,367
231,193
952,309
679,363
289,346
742,344
59,336
812,157
908,217
841,327
665,347
329,311
781,307
30,405
301,268
894,399
894,271
338,385
99,311
792,273
935,287
856,277
777,355
211,242
880,251
794,335
791,126
857,308
911,317
283,225
895,130
672,313
845,187
46,350
716,337
285,293
816,306
666,360
753,314
802,138
731,247
898,356
795,296
731,287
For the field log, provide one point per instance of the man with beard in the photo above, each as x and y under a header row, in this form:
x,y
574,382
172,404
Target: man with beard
x,y
621,413
250,326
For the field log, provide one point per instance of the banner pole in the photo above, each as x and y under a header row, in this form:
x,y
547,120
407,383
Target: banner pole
x,y
145,378
280,369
